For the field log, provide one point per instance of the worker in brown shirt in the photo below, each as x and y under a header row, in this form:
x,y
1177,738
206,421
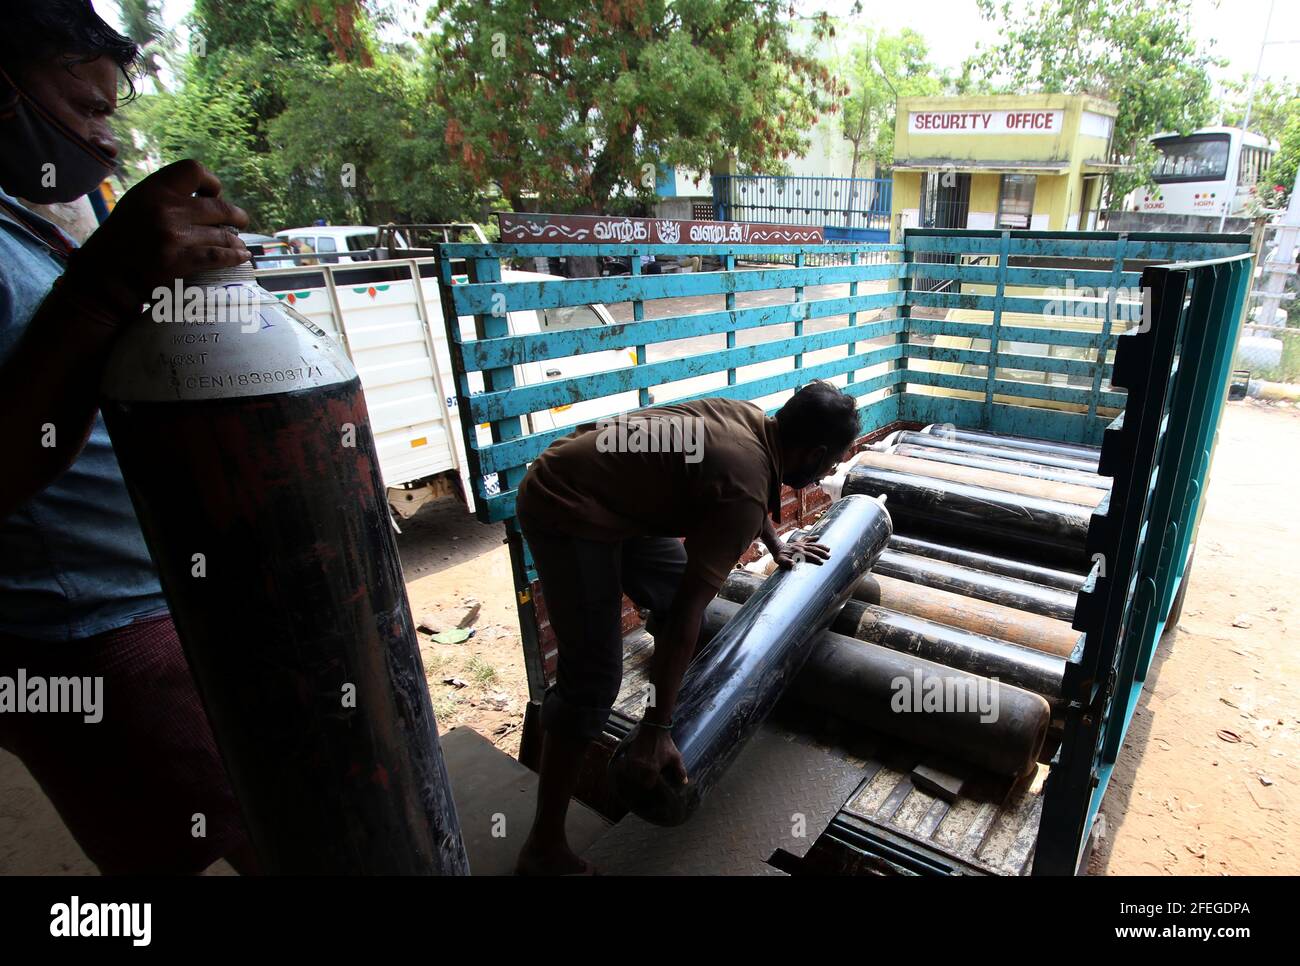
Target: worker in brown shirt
x,y
602,511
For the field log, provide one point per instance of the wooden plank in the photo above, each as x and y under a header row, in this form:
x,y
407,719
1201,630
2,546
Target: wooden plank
x,y
521,250
1007,360
477,298
490,406
1020,277
537,346
1015,333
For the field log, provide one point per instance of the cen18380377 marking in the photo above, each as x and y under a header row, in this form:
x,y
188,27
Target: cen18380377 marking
x,y
258,378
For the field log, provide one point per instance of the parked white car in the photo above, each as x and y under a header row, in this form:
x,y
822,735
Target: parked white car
x,y
335,244
391,326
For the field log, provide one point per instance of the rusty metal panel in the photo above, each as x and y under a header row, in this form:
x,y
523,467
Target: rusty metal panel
x,y
991,830
781,785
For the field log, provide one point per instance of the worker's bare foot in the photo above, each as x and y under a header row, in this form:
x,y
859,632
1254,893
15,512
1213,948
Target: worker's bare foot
x,y
553,860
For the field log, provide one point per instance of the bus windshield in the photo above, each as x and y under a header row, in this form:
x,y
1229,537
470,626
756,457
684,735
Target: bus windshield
x,y
1198,157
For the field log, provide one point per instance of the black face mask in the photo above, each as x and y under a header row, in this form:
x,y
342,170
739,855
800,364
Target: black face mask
x,y
42,159
805,475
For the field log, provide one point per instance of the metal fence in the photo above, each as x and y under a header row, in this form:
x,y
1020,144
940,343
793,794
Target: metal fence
x,y
850,209
1269,348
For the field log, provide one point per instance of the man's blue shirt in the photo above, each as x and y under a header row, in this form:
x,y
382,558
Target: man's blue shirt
x,y
73,561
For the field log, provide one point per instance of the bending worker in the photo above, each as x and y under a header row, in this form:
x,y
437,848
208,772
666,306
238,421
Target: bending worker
x,y
602,510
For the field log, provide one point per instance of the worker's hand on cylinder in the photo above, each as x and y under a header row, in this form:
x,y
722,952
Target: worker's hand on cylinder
x,y
797,551
171,225
652,755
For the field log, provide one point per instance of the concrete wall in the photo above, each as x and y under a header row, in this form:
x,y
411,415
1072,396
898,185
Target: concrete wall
x,y
1161,221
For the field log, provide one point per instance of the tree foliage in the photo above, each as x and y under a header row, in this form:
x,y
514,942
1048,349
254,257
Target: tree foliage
x,y
379,160
1141,55
304,113
1272,106
880,68
1282,171
579,102
142,22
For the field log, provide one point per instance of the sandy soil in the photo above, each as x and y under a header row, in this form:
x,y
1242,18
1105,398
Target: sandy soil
x,y
1206,782
452,561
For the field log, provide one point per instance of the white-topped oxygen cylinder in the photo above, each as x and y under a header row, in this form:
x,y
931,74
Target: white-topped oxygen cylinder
x,y
242,433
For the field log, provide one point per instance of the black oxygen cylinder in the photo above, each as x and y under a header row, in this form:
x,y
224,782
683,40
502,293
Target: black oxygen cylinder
x,y
1000,465
244,439
908,438
1070,450
736,680
1009,524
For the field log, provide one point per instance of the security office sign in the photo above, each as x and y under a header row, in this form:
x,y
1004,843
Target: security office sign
x,y
986,122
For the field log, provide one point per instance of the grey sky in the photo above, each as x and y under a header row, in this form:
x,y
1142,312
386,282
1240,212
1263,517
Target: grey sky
x,y
1234,28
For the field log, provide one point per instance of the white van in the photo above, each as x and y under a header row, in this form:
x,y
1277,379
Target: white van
x,y
388,317
335,244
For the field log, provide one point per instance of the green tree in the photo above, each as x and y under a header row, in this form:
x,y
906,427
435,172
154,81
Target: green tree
x,y
142,22
1274,104
1139,54
880,68
580,102
356,144
1282,171
212,121
231,83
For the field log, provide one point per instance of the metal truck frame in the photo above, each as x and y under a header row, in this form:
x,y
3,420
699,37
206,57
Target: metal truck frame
x,y
1151,394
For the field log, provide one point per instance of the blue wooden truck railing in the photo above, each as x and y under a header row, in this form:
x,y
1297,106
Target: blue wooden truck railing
x,y
982,329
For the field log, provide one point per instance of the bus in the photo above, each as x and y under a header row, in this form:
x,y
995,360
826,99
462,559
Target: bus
x,y
1208,172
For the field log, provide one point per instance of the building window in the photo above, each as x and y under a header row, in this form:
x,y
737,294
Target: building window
x,y
1016,200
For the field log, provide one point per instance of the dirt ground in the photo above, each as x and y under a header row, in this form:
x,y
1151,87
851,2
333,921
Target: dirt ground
x,y
1207,779
1206,783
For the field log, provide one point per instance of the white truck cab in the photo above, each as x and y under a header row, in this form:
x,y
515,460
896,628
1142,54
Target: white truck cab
x,y
335,244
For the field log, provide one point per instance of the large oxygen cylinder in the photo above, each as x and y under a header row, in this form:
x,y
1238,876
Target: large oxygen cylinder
x,y
243,436
860,682
735,681
997,464
930,640
1046,529
904,437
1089,496
1077,451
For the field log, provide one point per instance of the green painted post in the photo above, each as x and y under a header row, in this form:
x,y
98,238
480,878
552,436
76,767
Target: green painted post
x,y
729,265
1116,277
991,370
853,316
638,313
798,297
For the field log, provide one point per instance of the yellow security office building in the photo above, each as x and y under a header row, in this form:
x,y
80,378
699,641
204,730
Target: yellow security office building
x,y
1035,162
1003,161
